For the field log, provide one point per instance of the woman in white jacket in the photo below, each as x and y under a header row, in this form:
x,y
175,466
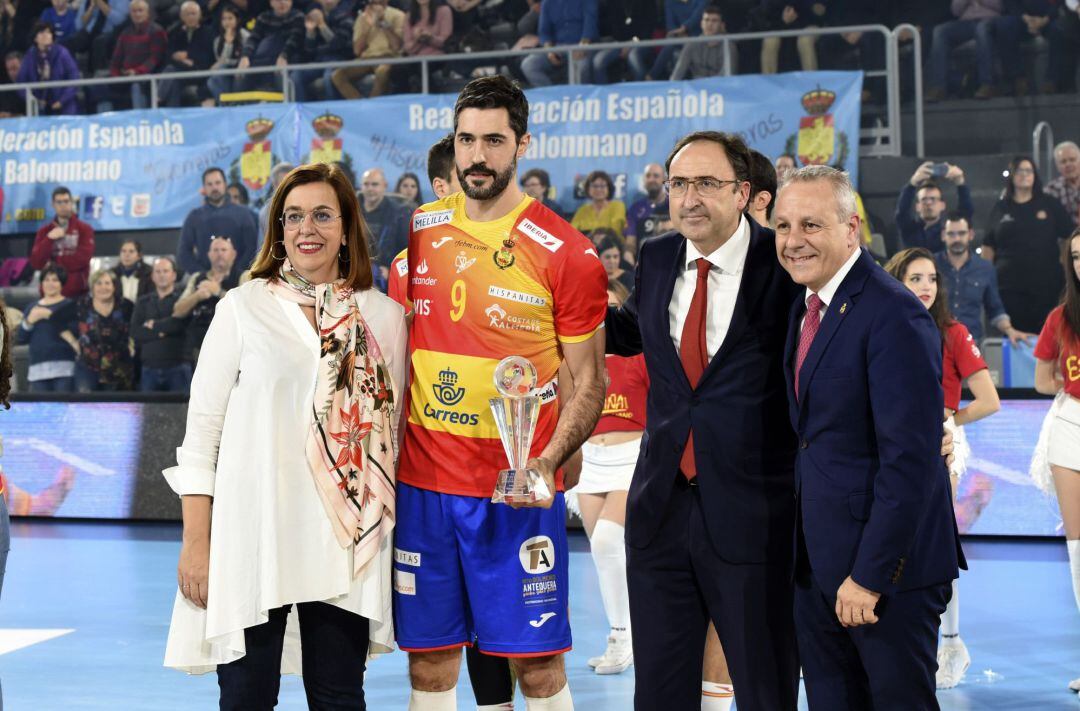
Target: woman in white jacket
x,y
287,469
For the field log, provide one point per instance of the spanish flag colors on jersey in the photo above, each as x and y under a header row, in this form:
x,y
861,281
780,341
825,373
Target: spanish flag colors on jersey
x,y
482,291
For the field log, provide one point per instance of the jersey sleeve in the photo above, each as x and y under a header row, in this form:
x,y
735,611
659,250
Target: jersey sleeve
x,y
1049,344
398,284
580,293
969,359
410,254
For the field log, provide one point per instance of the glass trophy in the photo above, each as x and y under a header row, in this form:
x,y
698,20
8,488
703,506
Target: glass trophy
x,y
516,412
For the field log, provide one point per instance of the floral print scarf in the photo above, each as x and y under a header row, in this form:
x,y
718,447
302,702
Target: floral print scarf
x,y
351,445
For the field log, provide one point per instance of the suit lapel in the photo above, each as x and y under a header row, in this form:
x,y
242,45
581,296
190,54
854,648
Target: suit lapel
x,y
798,308
843,303
755,278
661,304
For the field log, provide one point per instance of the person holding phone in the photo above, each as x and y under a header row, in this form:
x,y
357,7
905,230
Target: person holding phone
x,y
921,205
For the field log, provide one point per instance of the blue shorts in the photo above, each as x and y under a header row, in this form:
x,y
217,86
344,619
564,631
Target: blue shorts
x,y
467,571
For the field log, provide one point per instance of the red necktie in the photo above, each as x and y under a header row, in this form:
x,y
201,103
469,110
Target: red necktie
x,y
809,330
693,351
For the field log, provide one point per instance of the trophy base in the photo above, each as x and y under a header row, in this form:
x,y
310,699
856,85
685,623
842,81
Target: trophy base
x,y
520,486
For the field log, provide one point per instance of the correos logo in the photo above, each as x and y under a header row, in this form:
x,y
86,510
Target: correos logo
x,y
449,394
445,392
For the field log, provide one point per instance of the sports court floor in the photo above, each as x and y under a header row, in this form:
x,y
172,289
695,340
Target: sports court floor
x,y
86,606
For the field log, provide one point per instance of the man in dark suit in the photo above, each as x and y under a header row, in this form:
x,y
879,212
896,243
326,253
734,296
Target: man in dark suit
x,y
711,507
876,540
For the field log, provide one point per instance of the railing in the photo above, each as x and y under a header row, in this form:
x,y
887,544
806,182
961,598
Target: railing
x,y
1043,128
916,40
879,140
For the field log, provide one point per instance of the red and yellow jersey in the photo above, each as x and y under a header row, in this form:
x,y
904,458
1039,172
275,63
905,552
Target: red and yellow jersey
x,y
627,394
482,291
397,283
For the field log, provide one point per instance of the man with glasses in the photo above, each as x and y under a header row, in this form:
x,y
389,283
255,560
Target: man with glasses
x,y
711,508
217,216
921,226
65,241
971,282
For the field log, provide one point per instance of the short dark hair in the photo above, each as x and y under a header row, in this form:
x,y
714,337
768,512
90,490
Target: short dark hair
x,y
56,270
60,190
210,171
956,216
440,159
734,148
495,92
762,178
41,26
245,197
538,173
601,175
929,184
607,240
135,243
713,9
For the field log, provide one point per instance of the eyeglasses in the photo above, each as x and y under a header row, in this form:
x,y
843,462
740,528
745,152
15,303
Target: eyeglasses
x,y
706,187
322,219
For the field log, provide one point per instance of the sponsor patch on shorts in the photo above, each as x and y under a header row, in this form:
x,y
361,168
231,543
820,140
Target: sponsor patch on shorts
x,y
406,558
404,582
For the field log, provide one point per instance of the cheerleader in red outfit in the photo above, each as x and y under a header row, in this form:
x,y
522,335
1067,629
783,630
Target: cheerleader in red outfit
x,y
961,360
1057,372
609,458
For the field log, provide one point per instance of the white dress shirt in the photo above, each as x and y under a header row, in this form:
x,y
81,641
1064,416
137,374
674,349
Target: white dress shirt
x,y
829,290
271,542
725,275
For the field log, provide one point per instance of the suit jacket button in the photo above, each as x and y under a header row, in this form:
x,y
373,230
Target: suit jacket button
x,y
678,448
803,444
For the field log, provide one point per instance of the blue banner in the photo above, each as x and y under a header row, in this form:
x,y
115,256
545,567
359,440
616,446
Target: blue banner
x,y
142,169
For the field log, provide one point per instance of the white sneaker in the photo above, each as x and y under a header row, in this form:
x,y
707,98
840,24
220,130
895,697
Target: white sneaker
x,y
1074,685
594,662
618,657
953,660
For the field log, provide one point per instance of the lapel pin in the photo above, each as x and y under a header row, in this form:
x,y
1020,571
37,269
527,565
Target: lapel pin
x,y
843,307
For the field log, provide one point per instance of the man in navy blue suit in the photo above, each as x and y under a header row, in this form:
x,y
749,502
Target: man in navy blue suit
x,y
876,539
710,511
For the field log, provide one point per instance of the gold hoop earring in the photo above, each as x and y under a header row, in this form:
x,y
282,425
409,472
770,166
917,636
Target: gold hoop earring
x,y
277,258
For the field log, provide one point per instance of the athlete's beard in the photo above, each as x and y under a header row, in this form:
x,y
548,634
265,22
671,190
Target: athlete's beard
x,y
499,180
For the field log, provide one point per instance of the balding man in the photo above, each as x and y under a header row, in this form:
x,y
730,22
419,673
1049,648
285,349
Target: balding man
x,y
654,201
190,50
387,221
876,540
1066,187
140,49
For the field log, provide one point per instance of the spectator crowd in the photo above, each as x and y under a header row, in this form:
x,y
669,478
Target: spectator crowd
x,y
979,48
140,323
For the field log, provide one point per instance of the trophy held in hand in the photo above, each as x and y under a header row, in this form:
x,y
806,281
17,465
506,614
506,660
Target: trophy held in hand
x,y
516,413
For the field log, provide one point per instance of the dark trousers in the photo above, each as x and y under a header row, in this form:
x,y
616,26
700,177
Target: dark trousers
x,y
51,385
334,644
886,666
172,379
677,584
